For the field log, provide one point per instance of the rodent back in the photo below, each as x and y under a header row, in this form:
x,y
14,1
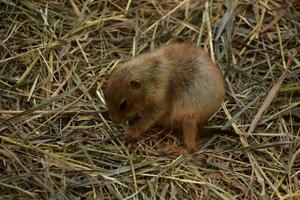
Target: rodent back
x,y
196,83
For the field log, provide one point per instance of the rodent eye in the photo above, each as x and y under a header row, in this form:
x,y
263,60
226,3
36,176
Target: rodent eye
x,y
123,105
134,84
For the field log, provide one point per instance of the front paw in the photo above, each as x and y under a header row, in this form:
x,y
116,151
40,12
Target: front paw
x,y
130,135
173,150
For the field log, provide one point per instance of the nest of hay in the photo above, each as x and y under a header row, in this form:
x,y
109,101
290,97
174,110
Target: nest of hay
x,y
57,141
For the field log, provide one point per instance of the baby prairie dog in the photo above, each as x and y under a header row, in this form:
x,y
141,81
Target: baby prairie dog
x,y
177,86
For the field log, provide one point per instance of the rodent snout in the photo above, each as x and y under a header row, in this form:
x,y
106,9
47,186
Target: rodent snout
x,y
116,119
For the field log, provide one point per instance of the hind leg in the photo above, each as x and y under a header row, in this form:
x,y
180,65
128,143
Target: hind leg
x,y
190,129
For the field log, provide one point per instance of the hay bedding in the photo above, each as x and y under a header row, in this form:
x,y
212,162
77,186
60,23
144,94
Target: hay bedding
x,y
57,141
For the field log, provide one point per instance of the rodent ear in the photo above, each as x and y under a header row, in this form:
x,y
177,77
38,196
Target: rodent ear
x,y
156,63
135,84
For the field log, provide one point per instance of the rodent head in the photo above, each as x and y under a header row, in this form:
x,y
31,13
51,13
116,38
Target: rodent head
x,y
123,95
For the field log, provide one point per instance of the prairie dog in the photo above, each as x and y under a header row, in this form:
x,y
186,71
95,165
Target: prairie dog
x,y
177,86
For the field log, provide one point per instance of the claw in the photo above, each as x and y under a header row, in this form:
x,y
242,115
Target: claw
x,y
173,150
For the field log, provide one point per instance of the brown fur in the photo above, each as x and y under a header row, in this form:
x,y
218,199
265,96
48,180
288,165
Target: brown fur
x,y
176,86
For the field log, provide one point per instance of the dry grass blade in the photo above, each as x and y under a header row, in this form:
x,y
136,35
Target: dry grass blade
x,y
266,103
